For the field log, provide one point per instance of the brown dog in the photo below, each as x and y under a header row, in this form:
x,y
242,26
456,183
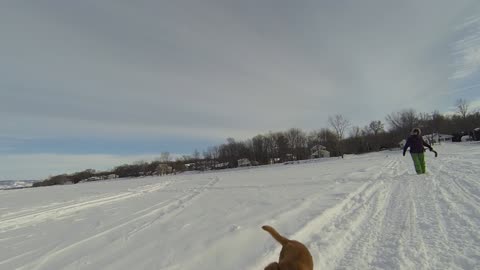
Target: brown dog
x,y
294,255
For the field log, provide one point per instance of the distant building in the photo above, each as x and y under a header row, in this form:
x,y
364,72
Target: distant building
x,y
476,134
91,179
290,157
112,176
222,165
275,160
437,138
190,166
243,162
163,169
319,151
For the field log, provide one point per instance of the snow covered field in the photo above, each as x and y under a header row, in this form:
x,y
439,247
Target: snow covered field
x,y
362,212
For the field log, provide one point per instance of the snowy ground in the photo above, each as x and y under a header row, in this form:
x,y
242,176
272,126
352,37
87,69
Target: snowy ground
x,y
362,212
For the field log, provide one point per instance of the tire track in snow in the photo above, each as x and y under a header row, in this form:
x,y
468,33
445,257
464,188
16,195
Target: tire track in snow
x,y
178,204
397,245
362,239
400,221
329,219
19,256
459,212
137,221
465,184
15,221
352,235
418,222
430,224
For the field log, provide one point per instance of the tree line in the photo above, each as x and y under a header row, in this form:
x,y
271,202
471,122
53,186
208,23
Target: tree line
x,y
296,144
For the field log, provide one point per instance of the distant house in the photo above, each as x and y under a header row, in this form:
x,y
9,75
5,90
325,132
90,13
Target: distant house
x,y
190,166
91,179
94,178
457,137
163,169
319,151
476,134
243,162
444,138
275,160
290,157
437,138
222,165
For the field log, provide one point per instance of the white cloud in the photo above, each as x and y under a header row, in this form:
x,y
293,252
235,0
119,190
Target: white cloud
x,y
467,50
216,70
473,106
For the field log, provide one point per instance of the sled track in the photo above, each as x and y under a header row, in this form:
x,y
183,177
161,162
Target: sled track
x,y
332,225
126,228
32,216
396,222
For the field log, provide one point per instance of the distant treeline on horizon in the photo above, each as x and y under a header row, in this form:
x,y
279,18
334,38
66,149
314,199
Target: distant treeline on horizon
x,y
296,144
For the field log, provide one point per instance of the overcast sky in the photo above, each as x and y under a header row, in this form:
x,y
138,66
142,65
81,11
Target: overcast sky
x,y
96,83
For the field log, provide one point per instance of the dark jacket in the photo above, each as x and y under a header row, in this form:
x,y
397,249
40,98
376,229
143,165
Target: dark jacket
x,y
416,144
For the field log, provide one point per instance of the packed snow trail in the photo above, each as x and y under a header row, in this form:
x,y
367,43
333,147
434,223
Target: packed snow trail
x,y
362,212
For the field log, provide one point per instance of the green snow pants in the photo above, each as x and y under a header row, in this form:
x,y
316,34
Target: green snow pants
x,y
419,162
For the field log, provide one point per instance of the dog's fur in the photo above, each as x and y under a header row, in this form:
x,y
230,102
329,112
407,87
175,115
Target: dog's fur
x,y
294,255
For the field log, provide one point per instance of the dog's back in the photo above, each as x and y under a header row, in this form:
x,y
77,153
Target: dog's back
x,y
293,256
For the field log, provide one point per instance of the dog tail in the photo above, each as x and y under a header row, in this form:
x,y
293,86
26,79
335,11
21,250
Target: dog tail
x,y
282,240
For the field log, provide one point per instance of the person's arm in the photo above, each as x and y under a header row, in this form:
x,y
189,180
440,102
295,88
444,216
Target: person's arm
x,y
407,144
427,145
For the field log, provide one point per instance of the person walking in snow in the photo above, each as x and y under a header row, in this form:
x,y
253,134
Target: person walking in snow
x,y
417,150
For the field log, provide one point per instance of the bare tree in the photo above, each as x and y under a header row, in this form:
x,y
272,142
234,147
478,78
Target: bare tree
x,y
196,159
403,121
280,145
213,152
339,123
297,142
196,155
438,121
271,147
356,132
376,127
260,149
165,157
462,107
209,157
